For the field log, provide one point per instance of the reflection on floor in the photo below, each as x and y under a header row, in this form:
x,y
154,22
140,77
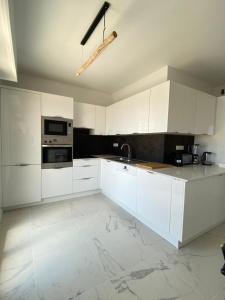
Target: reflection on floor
x,y
90,249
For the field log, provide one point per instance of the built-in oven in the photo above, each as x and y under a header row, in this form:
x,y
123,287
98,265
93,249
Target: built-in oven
x,y
57,156
56,130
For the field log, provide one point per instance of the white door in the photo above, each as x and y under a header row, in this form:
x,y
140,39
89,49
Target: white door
x,y
84,115
154,199
57,182
100,120
205,113
138,113
126,187
21,127
56,106
21,185
182,109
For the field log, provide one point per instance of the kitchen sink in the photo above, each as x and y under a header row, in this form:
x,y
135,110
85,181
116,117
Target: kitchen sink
x,y
124,160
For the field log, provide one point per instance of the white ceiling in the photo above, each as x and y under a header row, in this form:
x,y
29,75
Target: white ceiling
x,y
188,35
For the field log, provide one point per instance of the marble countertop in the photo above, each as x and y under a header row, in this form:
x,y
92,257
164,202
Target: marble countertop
x,y
187,173
192,172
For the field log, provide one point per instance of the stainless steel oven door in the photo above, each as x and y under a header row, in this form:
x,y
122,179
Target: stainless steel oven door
x,y
57,156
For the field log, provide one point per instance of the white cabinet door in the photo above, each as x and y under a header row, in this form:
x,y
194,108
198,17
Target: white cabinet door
x,y
177,209
84,115
108,176
205,113
125,187
100,120
182,109
56,106
21,127
218,199
21,185
57,182
159,108
110,120
137,112
154,199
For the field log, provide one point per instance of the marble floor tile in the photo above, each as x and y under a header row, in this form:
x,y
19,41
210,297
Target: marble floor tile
x,y
90,249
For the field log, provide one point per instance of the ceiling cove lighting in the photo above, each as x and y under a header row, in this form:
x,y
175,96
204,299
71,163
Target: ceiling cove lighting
x,y
103,45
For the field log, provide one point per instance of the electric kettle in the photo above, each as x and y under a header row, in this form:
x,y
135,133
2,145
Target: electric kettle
x,y
206,158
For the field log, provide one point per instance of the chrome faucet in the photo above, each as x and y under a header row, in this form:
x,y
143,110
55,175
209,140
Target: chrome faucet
x,y
129,151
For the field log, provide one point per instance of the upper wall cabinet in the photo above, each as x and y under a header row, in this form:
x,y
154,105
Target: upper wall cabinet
x,y
21,127
100,120
84,115
56,106
177,108
130,115
90,116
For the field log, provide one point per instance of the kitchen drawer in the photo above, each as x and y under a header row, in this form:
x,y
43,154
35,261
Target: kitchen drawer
x,y
85,162
85,184
86,171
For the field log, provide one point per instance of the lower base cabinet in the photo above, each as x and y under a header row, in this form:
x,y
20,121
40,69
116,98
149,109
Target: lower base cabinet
x,y
57,182
21,185
125,186
154,199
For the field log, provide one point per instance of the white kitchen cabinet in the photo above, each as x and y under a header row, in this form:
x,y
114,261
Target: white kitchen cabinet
x,y
56,106
21,185
108,178
100,120
85,175
84,115
205,113
137,112
20,126
177,108
57,182
154,200
125,187
182,109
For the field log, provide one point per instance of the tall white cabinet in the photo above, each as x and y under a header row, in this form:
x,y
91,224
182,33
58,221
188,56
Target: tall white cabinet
x,y
21,146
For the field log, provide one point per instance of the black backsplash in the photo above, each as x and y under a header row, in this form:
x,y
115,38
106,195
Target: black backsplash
x,y
149,147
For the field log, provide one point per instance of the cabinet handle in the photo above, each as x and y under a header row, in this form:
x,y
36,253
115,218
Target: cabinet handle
x,y
23,165
87,178
150,172
85,166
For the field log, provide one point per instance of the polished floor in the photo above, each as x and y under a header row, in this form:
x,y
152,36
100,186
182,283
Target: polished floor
x,y
90,249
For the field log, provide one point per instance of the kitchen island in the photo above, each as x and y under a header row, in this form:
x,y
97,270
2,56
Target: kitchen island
x,y
177,203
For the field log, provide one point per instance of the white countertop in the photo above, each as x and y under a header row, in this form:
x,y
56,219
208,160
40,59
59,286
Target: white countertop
x,y
192,172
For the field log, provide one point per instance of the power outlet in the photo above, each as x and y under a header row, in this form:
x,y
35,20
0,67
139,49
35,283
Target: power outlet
x,y
180,147
115,145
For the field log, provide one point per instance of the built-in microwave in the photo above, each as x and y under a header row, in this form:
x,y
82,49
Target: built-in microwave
x,y
57,156
56,130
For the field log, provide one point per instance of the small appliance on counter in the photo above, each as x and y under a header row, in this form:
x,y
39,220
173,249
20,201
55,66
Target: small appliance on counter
x,y
194,151
183,158
206,159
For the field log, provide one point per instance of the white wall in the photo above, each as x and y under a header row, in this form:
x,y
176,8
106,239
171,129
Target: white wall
x,y
186,79
142,84
50,86
217,90
163,74
215,143
0,172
